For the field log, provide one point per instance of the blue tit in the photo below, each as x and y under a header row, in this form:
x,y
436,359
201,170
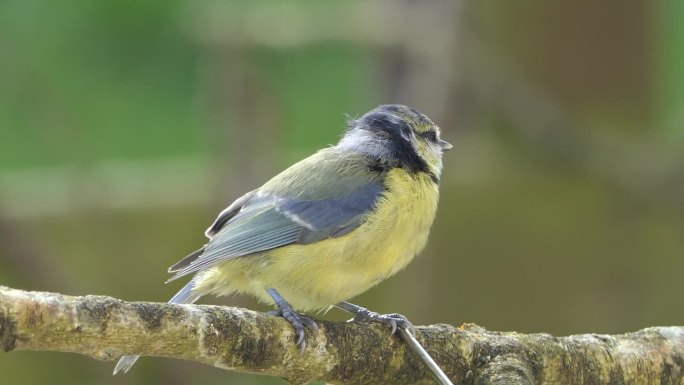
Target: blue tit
x,y
329,227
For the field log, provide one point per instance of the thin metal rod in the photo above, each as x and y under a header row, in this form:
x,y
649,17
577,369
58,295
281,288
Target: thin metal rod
x,y
417,348
412,342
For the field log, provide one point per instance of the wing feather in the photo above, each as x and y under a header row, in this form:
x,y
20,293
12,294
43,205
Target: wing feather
x,y
267,218
227,214
247,234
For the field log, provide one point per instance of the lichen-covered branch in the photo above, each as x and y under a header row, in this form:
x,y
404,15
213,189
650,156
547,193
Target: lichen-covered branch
x,y
344,353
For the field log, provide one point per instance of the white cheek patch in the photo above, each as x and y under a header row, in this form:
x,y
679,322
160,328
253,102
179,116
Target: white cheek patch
x,y
364,142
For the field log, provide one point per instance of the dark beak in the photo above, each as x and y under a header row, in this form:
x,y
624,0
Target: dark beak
x,y
446,146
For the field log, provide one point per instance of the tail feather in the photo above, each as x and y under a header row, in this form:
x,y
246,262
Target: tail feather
x,y
185,295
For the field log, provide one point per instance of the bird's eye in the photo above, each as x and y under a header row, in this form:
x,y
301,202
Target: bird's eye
x,y
430,136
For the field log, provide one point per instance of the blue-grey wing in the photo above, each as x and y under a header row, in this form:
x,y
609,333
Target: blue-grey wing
x,y
331,217
267,221
230,212
223,218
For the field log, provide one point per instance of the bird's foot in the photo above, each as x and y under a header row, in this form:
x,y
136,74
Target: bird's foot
x,y
299,322
393,320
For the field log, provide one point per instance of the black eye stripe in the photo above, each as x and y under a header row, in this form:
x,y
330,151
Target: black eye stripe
x,y
399,136
393,126
430,135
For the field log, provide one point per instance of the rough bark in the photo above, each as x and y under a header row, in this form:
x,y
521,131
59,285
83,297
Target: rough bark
x,y
242,340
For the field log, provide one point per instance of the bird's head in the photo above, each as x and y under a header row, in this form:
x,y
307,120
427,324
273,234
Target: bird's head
x,y
398,135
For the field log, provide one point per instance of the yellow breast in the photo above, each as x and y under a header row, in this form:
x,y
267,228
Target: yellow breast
x,y
317,275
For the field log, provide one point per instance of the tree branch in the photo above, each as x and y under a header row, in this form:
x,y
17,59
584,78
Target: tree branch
x,y
247,341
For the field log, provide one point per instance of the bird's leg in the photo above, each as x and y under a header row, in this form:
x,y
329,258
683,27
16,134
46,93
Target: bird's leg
x,y
361,314
297,320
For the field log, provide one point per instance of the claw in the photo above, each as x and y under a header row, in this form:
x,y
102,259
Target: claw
x,y
310,323
402,322
298,321
392,320
300,339
393,325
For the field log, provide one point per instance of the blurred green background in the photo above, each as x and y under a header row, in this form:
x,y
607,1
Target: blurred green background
x,y
126,126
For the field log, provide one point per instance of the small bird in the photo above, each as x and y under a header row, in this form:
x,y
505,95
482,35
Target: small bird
x,y
329,227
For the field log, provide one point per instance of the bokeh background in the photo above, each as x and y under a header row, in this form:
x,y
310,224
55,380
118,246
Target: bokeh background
x,y
126,126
